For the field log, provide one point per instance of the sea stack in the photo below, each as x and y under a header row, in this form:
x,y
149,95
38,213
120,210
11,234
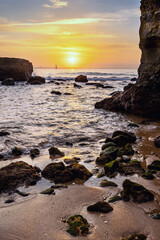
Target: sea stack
x,y
16,68
143,97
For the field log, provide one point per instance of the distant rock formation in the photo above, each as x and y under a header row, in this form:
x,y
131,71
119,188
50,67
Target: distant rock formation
x,y
143,97
16,68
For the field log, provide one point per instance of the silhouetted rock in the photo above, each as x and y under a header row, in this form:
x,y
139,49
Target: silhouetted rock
x,y
34,152
76,86
81,78
4,133
102,207
56,93
8,82
36,80
53,151
16,151
157,142
16,68
133,79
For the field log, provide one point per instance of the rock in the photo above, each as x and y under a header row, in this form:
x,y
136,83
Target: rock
x,y
16,68
101,174
53,169
133,79
125,159
155,165
81,78
70,161
105,158
114,199
67,94
111,167
120,140
22,194
1,156
48,191
135,237
155,216
36,80
126,150
34,152
133,125
133,167
10,200
57,186
70,144
53,151
108,144
102,207
16,151
78,226
79,171
108,140
76,86
111,151
143,97
148,175
8,82
56,93
4,133
106,183
157,142
136,191
131,136
17,174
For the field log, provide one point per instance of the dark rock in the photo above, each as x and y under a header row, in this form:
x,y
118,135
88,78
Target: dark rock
x,y
4,133
36,80
105,158
157,142
53,169
102,207
78,226
111,151
16,68
57,186
131,136
53,151
148,175
106,183
114,199
1,156
10,200
17,174
155,216
135,237
77,86
16,151
8,82
48,191
120,140
79,171
56,93
101,174
108,144
70,161
125,159
68,94
133,125
111,167
34,152
133,79
155,165
126,150
108,140
81,78
133,167
22,194
136,191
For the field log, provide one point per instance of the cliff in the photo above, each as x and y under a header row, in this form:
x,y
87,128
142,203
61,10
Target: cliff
x,y
16,68
143,97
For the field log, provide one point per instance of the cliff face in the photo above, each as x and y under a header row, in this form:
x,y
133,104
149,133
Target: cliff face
x,y
143,98
19,69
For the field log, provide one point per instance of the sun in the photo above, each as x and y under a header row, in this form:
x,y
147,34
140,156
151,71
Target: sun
x,y
72,60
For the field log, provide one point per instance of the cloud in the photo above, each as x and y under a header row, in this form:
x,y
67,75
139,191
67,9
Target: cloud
x,y
56,4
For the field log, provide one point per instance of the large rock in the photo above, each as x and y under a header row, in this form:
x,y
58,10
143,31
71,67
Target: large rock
x,y
37,80
143,97
16,68
8,82
17,174
81,78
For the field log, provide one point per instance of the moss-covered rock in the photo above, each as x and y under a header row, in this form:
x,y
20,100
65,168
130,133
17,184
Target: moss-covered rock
x,y
126,150
108,144
131,136
135,237
108,140
106,183
80,171
148,175
101,174
155,165
115,199
78,226
121,140
111,151
53,152
111,167
105,158
102,207
48,191
133,167
136,191
17,152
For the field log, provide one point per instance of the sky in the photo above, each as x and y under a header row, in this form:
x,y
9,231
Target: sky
x,y
71,33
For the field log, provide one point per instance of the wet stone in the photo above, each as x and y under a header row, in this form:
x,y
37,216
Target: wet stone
x,y
106,183
155,165
48,191
102,207
53,151
78,226
135,237
10,200
115,199
16,151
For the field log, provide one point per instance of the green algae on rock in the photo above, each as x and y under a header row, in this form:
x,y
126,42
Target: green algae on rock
x,y
106,183
102,207
108,144
105,158
148,175
126,150
111,151
78,226
115,199
111,167
135,237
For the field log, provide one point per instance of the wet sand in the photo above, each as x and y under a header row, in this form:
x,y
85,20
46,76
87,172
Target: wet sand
x,y
40,218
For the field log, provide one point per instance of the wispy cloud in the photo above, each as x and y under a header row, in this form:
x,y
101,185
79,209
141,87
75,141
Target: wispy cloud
x,y
56,4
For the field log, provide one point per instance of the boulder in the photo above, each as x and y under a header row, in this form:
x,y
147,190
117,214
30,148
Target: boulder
x,y
155,165
76,86
106,183
133,167
53,151
136,191
121,140
81,78
78,226
115,199
157,142
17,174
111,167
8,82
4,133
133,79
16,151
105,158
108,144
34,152
36,80
56,93
16,68
126,150
111,151
148,175
53,169
80,171
48,191
136,236
102,207
131,136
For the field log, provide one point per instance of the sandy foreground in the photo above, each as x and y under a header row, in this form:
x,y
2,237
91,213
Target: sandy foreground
x,y
40,217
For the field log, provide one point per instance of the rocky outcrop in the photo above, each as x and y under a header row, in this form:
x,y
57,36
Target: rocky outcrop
x,y
16,68
8,82
37,80
143,97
